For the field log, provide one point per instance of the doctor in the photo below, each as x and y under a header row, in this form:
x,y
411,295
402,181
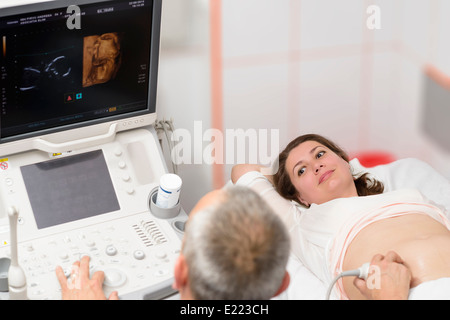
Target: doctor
x,y
234,247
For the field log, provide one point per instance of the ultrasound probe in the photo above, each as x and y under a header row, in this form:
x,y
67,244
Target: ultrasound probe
x,y
362,272
16,276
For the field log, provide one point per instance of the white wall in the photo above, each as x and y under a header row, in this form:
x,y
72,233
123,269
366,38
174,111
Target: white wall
x,y
184,91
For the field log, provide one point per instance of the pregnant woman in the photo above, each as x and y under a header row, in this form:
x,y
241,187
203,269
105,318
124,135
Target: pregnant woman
x,y
338,222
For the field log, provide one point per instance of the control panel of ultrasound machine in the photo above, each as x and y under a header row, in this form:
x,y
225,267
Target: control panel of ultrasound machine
x,y
80,160
92,202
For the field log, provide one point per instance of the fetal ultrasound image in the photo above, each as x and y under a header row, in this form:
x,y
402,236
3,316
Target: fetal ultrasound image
x,y
44,70
101,58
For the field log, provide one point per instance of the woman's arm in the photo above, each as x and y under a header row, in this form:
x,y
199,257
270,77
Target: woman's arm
x,y
263,185
240,169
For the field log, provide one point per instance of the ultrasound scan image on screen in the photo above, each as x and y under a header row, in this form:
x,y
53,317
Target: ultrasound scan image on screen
x,y
55,76
69,189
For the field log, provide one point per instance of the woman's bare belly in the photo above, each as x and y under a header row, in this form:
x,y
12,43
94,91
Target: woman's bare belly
x,y
422,242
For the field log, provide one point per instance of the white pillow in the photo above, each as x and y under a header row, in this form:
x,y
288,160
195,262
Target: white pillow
x,y
411,173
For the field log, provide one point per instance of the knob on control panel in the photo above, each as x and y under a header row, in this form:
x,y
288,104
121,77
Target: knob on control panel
x,y
114,278
111,250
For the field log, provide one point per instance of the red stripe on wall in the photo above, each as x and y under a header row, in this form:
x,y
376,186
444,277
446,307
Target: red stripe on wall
x,y
215,7
437,75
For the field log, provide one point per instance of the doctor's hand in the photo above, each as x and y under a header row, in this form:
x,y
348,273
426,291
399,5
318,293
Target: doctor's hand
x,y
81,287
391,278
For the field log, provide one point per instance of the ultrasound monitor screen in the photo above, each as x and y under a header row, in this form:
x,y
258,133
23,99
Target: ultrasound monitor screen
x,y
62,70
69,189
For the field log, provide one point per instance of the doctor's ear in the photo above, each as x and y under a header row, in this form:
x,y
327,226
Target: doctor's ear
x,y
284,284
180,273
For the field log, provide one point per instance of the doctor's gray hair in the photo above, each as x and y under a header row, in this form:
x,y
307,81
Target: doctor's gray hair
x,y
236,249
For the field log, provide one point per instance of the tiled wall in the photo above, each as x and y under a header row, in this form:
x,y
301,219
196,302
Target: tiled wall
x,y
314,66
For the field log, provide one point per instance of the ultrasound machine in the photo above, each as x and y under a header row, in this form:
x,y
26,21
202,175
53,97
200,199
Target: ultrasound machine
x,y
79,153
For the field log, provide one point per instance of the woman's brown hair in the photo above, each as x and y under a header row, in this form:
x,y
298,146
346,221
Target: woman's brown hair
x,y
365,185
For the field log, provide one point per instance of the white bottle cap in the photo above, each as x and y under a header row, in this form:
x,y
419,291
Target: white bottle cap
x,y
168,191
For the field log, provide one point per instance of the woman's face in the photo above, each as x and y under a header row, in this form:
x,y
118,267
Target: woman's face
x,y
318,174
